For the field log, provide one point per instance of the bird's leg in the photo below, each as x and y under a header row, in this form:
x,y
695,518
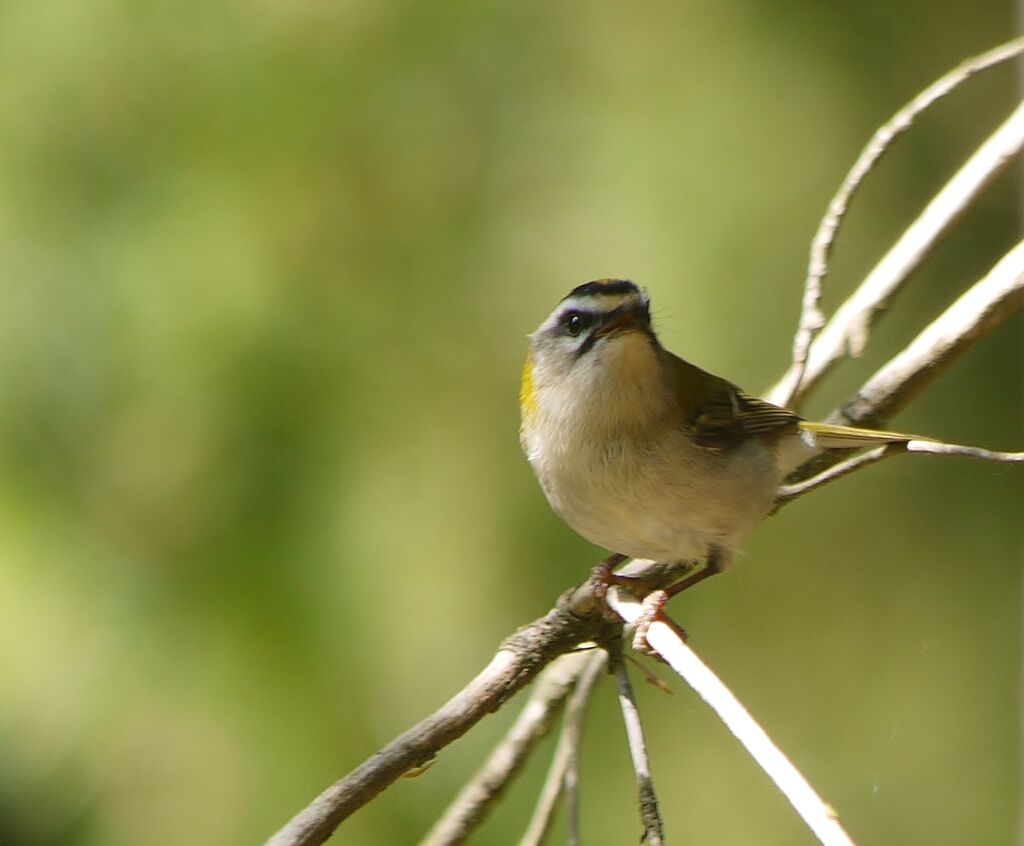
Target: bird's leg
x,y
602,577
603,574
711,567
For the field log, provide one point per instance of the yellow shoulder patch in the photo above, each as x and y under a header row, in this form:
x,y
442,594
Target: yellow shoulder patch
x,y
527,399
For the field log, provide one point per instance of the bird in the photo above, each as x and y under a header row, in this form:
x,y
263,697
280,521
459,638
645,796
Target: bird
x,y
645,454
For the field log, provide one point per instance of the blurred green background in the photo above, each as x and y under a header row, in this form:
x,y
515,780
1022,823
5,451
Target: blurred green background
x,y
267,272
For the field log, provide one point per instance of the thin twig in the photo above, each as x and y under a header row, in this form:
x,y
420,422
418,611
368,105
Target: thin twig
x,y
566,757
572,735
650,816
787,493
664,639
811,318
939,448
847,331
973,315
482,791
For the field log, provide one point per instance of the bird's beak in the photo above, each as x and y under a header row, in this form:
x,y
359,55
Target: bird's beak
x,y
628,320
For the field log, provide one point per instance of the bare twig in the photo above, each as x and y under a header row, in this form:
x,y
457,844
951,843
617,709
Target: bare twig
x,y
476,799
650,816
811,318
938,448
563,774
664,639
972,316
847,331
572,735
787,493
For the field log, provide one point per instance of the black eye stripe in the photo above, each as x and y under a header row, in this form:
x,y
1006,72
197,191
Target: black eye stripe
x,y
587,345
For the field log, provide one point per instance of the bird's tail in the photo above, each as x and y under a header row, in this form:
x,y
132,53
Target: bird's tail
x,y
829,436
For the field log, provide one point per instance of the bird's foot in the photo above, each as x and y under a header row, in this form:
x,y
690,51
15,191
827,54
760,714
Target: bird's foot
x,y
651,611
602,577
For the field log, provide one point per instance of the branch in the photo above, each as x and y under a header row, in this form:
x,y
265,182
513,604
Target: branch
x,y
649,814
563,775
479,795
785,494
665,640
938,448
847,332
811,318
975,313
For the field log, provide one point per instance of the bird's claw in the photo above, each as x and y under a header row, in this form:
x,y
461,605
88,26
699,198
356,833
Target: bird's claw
x,y
651,612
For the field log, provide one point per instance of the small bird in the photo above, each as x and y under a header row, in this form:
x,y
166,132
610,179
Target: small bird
x,y
645,454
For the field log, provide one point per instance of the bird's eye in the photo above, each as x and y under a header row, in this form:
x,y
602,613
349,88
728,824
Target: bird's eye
x,y
575,322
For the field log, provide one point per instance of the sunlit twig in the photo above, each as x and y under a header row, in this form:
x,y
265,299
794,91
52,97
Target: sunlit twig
x,y
650,816
814,355
566,757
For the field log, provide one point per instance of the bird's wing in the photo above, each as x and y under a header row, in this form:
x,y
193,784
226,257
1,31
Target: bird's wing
x,y
719,414
730,416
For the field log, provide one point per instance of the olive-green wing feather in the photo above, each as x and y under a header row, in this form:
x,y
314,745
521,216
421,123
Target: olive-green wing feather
x,y
730,417
722,417
719,414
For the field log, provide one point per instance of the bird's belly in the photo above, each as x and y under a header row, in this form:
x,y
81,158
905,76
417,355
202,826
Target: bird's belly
x,y
675,504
